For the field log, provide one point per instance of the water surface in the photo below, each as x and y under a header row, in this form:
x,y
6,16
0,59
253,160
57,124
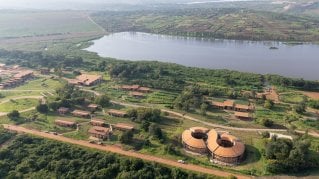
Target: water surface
x,y
300,61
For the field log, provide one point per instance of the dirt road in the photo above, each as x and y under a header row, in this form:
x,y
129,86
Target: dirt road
x,y
118,150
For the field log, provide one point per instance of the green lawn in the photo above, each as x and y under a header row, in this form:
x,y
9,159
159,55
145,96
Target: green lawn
x,y
41,84
19,104
292,97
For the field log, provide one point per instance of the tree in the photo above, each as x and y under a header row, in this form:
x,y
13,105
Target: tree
x,y
300,108
203,108
145,125
269,104
126,137
42,108
267,122
156,131
103,101
54,105
14,115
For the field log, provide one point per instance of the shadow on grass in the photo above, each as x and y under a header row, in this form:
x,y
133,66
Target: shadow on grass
x,y
252,155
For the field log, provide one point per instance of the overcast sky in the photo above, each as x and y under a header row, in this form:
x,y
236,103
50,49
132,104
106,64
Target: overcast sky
x,y
82,4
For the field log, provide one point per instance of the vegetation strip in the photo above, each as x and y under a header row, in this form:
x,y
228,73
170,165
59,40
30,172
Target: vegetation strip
x,y
118,150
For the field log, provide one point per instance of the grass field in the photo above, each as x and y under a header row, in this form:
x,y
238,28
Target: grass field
x,y
19,104
40,84
293,97
38,23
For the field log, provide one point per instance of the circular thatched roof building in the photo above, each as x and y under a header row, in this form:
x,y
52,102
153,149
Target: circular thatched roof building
x,y
223,148
194,139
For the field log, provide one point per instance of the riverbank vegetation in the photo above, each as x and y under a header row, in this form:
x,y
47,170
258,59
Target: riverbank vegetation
x,y
49,159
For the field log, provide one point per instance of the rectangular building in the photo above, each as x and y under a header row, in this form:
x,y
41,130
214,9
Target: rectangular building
x,y
64,123
117,113
100,132
79,113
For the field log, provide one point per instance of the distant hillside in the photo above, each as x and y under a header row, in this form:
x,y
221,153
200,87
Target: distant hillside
x,y
232,23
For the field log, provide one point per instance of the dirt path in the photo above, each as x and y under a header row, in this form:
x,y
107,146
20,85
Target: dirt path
x,y
118,150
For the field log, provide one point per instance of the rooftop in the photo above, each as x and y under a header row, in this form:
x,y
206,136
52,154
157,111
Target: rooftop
x,y
124,126
242,114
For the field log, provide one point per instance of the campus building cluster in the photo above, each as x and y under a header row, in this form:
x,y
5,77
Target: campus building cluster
x,y
13,76
100,130
222,148
243,112
136,90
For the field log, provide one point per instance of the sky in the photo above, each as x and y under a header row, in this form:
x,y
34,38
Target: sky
x,y
75,4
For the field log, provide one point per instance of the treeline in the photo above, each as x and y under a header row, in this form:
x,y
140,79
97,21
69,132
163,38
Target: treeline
x,y
30,157
175,77
293,82
39,59
158,75
286,156
5,135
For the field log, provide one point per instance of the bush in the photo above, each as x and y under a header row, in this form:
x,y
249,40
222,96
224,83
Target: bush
x,y
265,134
267,122
14,115
42,108
103,101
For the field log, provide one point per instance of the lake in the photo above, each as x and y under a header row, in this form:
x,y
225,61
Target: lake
x,y
300,61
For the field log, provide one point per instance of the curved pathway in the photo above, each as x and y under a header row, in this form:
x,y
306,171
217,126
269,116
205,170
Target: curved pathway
x,y
118,150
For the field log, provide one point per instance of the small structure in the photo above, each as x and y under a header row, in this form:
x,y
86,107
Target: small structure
x,y
218,105
117,113
144,90
45,71
137,94
123,127
97,122
229,104
23,75
130,87
89,80
79,113
63,110
100,132
243,108
93,107
64,123
243,116
136,88
86,80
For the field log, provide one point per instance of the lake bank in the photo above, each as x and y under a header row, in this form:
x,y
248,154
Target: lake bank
x,y
298,61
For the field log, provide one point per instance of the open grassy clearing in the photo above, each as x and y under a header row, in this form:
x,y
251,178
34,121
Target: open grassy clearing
x,y
41,84
19,104
39,23
292,97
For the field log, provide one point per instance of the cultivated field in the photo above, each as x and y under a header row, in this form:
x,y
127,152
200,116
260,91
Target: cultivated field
x,y
38,23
